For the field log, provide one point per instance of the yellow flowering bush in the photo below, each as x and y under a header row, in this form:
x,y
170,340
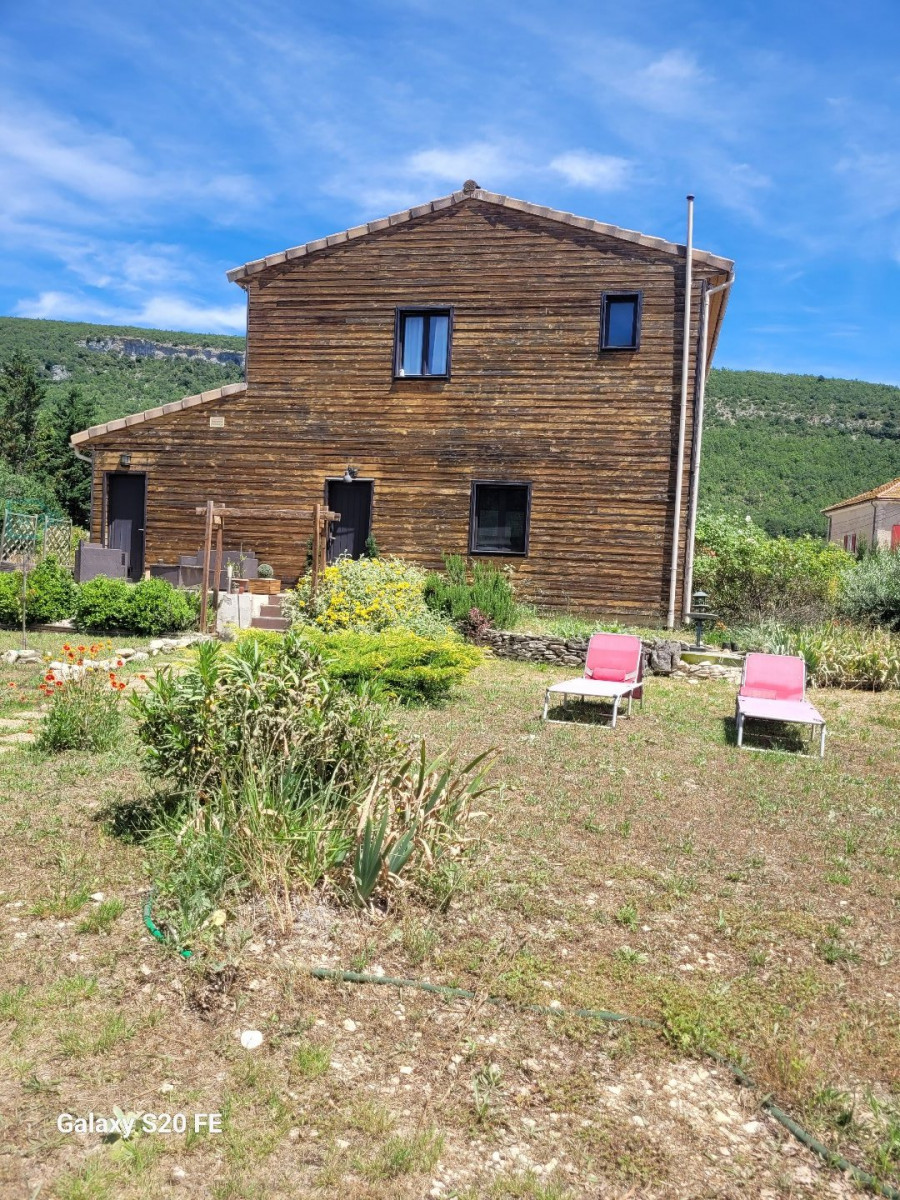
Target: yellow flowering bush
x,y
366,595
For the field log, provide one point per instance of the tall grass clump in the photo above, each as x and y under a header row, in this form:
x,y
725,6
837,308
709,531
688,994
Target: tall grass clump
x,y
275,779
837,654
485,588
871,590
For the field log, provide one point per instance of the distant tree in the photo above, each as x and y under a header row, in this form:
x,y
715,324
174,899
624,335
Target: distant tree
x,y
21,396
69,477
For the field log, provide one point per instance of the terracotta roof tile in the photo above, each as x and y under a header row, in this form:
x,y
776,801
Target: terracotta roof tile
x,y
239,274
887,491
150,414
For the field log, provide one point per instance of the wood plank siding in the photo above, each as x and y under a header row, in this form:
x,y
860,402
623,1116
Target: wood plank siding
x,y
530,399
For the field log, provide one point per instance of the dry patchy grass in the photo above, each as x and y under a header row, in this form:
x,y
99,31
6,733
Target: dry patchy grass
x,y
748,901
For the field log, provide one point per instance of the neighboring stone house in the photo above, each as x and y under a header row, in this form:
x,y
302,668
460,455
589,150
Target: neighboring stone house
x,y
870,519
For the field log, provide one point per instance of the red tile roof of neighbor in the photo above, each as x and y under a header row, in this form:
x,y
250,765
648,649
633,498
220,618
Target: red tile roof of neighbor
x,y
886,491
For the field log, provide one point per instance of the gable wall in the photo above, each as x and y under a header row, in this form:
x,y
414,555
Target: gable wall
x,y
530,399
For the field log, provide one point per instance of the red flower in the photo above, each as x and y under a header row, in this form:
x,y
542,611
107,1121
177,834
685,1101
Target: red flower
x,y
66,646
59,683
12,685
49,676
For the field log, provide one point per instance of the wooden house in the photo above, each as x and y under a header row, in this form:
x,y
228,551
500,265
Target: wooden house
x,y
871,519
477,375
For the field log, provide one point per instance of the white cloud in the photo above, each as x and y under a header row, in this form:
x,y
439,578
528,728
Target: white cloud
x,y
601,172
482,161
158,312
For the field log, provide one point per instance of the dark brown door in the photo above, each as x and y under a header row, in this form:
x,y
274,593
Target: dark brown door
x,y
126,496
354,502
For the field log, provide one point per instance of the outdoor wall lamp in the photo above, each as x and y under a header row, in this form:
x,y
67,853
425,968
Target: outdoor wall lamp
x,y
124,460
350,474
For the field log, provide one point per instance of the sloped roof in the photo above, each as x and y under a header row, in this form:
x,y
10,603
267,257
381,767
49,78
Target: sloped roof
x,y
887,491
239,274
95,431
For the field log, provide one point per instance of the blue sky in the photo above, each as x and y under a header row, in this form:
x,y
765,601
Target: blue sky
x,y
145,148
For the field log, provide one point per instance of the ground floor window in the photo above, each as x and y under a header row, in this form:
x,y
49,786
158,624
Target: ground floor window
x,y
850,542
499,518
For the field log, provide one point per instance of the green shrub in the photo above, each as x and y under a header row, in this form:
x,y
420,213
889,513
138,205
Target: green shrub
x,y
155,607
264,571
277,778
751,577
84,713
49,592
148,608
102,604
366,595
871,590
836,654
10,599
401,664
490,591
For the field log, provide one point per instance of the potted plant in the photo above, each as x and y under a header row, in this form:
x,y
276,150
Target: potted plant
x,y
265,584
239,581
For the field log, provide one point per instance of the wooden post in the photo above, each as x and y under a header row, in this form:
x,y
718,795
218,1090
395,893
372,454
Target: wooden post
x,y
220,522
317,540
207,547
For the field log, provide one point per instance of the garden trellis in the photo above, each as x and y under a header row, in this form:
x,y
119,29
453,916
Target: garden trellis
x,y
28,536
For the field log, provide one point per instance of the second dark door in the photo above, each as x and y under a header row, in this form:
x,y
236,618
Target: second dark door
x,y
354,502
125,503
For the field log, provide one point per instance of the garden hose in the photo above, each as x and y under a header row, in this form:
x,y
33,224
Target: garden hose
x,y
154,929
598,1014
863,1178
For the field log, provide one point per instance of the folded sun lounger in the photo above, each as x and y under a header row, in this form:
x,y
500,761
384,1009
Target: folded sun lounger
x,y
773,688
612,671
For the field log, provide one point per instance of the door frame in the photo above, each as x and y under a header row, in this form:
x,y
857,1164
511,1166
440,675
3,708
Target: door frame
x,y
104,511
340,479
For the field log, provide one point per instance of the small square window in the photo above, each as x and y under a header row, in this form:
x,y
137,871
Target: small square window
x,y
500,518
422,346
620,321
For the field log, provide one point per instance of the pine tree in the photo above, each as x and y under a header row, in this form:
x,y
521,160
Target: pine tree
x,y
69,477
21,396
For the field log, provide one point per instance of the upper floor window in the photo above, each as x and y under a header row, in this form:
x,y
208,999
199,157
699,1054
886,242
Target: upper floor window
x,y
422,346
500,518
620,321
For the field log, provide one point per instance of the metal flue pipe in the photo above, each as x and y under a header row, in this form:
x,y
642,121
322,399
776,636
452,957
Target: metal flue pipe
x,y
682,419
698,438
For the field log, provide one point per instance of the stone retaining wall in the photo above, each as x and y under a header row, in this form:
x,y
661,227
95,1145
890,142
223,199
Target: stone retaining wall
x,y
662,656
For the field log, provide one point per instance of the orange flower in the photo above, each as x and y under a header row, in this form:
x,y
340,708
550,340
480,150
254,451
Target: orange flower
x,y
49,676
12,685
139,677
59,683
66,646
119,662
81,649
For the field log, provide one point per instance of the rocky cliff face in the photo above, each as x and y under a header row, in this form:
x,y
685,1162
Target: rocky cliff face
x,y
129,347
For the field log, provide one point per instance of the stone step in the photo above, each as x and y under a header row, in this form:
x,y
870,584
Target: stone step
x,y
281,624
270,610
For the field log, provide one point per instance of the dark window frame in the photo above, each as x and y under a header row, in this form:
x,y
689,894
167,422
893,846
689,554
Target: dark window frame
x,y
473,519
420,310
604,319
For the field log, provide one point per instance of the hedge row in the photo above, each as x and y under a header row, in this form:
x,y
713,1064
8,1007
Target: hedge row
x,y
149,608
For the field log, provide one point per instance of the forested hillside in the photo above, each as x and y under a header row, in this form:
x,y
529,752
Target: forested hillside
x,y
116,368
779,447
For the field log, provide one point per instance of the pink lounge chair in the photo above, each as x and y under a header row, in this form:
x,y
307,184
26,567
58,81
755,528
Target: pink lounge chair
x,y
773,688
612,670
